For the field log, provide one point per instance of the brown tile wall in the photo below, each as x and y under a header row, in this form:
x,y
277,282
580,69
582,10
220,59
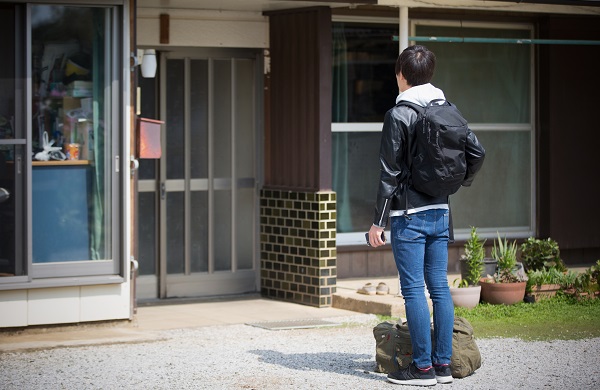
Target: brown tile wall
x,y
298,246
360,262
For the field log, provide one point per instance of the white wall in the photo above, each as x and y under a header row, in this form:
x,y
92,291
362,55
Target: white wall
x,y
64,305
191,28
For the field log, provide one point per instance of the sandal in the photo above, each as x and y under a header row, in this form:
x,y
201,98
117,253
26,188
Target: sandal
x,y
367,289
382,289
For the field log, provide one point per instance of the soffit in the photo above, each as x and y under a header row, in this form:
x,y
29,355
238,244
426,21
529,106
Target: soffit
x,y
244,5
538,6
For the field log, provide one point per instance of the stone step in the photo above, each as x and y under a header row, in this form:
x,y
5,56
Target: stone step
x,y
346,297
393,307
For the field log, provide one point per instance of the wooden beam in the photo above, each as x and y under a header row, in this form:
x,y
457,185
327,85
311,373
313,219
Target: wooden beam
x,y
164,28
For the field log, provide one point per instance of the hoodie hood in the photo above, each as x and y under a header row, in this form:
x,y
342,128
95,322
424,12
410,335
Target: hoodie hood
x,y
421,94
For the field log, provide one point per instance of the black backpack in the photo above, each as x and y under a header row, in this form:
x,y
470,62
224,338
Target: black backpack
x,y
437,162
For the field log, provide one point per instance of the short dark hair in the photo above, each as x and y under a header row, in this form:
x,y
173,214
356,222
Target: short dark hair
x,y
416,63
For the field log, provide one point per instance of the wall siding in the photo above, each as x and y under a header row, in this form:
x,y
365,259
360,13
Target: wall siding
x,y
568,137
298,148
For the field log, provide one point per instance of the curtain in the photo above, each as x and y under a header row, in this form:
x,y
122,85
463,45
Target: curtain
x,y
340,139
97,198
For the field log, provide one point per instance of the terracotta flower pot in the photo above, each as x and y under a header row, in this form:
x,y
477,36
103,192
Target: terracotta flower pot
x,y
544,291
465,296
503,293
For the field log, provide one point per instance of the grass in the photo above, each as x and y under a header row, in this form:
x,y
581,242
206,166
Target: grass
x,y
557,318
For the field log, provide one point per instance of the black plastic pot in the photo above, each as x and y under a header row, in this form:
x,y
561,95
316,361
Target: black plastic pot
x,y
489,267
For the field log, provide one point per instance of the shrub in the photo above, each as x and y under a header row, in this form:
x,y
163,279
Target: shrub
x,y
537,254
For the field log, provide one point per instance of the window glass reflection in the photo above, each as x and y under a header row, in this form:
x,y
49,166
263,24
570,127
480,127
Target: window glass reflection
x,y
71,179
11,178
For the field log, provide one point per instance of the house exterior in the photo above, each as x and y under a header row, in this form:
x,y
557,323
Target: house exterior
x,y
271,115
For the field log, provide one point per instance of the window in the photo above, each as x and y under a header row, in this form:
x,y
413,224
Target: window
x,y
491,85
364,88
59,110
12,144
72,123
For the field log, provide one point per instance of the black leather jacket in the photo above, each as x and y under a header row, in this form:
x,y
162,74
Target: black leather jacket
x,y
394,171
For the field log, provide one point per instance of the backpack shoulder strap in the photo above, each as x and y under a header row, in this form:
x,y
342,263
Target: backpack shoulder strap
x,y
419,110
412,105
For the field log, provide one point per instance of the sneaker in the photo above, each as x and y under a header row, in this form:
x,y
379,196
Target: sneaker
x,y
443,373
382,289
367,289
413,376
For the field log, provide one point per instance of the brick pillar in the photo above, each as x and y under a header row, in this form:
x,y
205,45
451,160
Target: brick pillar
x,y
298,246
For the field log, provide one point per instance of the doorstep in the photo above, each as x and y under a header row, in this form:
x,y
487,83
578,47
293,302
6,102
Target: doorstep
x,y
346,297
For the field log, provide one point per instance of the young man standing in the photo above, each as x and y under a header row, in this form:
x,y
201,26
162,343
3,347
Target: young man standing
x,y
419,225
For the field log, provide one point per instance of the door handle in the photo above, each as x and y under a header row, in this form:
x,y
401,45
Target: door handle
x,y
4,195
134,164
163,191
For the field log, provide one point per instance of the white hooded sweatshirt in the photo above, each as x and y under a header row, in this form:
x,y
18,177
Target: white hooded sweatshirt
x,y
421,94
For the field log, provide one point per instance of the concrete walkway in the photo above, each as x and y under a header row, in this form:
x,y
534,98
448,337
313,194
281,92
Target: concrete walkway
x,y
151,319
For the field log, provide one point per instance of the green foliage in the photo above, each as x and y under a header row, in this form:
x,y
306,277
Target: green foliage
x,y
585,283
462,283
566,316
474,254
506,255
561,317
538,254
588,282
544,276
569,280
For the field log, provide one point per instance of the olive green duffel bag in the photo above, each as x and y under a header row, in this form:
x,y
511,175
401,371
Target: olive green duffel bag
x,y
393,349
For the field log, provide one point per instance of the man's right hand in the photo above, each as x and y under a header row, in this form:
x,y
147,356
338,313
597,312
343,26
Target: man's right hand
x,y
375,234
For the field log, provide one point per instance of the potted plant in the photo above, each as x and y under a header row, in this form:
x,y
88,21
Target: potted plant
x,y
539,254
474,249
508,284
544,283
586,284
468,291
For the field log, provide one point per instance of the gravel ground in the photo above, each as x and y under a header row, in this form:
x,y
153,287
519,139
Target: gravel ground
x,y
247,357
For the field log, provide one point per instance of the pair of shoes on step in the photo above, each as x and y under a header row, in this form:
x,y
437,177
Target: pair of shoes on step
x,y
412,375
369,289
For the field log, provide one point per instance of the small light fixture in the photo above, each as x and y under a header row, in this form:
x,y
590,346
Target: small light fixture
x,y
147,60
149,63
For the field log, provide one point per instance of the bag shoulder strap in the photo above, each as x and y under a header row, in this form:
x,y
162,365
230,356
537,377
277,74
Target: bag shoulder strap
x,y
414,106
419,110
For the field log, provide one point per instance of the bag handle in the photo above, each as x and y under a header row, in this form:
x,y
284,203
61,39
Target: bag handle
x,y
435,102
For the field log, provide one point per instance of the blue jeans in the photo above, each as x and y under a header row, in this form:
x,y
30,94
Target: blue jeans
x,y
420,247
